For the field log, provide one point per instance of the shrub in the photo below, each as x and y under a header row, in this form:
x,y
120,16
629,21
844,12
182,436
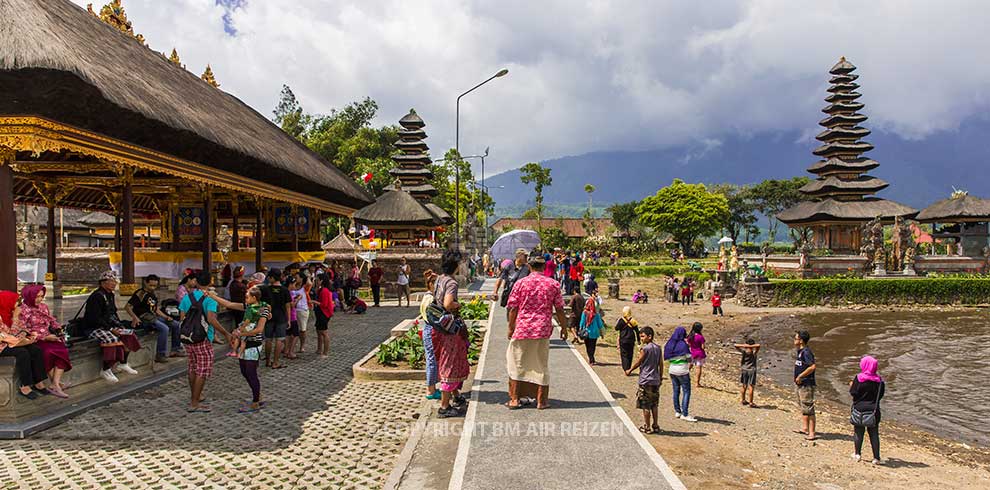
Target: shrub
x,y
882,291
476,309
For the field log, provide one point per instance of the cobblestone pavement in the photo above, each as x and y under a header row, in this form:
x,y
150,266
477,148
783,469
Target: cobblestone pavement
x,y
320,429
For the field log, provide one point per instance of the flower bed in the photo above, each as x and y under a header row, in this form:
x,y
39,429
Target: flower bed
x,y
402,357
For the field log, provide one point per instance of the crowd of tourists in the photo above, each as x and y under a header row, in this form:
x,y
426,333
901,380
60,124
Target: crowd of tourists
x,y
534,299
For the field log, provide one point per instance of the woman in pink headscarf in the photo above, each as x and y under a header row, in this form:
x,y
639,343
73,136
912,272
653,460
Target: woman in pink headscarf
x,y
866,389
38,320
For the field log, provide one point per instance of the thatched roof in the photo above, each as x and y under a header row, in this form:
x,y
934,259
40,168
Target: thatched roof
x,y
396,208
440,213
59,62
856,211
340,243
70,219
864,184
98,218
958,209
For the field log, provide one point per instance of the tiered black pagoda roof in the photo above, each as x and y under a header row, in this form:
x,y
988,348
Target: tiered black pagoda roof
x,y
413,164
406,204
842,190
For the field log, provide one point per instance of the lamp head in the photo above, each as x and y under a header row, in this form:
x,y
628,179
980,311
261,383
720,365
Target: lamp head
x,y
501,73
486,151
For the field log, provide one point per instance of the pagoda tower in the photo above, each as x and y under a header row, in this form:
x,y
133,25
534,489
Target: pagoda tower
x,y
840,199
413,163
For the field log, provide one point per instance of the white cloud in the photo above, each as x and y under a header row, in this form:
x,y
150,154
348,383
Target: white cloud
x,y
589,75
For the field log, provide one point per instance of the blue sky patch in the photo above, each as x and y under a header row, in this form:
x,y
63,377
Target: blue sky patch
x,y
228,19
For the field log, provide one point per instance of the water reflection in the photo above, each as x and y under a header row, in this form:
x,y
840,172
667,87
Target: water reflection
x,y
936,364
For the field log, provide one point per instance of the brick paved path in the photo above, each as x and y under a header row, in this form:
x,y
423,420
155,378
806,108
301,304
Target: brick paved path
x,y
320,430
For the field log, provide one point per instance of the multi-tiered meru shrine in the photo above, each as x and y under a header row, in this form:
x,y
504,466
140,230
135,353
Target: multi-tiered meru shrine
x,y
841,197
404,215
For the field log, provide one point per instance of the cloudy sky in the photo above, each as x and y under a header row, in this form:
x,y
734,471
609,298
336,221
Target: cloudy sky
x,y
589,75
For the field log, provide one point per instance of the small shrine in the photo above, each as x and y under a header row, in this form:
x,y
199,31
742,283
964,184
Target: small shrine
x,y
841,197
961,221
404,216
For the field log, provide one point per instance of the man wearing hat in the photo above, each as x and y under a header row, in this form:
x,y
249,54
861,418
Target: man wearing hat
x,y
101,322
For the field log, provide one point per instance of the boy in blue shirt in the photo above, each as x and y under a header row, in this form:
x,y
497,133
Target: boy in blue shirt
x,y
201,354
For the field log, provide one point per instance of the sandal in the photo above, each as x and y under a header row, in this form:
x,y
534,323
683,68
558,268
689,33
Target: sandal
x,y
199,410
248,409
510,406
656,429
543,407
646,430
280,366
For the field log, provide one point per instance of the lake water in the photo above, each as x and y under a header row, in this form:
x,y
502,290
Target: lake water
x,y
936,364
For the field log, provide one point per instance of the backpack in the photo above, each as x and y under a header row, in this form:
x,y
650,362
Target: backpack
x,y
193,327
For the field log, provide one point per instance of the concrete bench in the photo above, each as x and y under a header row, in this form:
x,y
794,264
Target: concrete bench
x,y
87,362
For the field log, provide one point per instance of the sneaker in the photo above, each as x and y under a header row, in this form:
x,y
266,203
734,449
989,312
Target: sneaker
x,y
459,400
161,358
677,415
434,396
877,462
688,418
448,413
109,376
857,458
128,369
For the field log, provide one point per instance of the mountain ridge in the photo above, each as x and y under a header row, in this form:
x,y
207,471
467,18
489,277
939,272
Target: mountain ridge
x,y
914,168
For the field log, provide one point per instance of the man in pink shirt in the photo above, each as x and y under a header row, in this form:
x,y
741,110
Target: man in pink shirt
x,y
534,301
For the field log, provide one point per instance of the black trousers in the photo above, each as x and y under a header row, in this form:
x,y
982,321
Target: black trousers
x,y
717,310
28,363
874,439
376,293
626,350
589,346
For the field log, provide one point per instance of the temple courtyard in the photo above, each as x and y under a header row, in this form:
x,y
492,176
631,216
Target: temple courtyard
x,y
320,428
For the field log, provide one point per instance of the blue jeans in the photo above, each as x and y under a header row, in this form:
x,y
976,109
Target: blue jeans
x,y
678,383
163,328
432,375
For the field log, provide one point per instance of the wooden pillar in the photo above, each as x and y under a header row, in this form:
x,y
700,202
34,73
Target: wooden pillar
x,y
127,231
295,228
52,243
259,243
207,231
234,208
116,230
8,231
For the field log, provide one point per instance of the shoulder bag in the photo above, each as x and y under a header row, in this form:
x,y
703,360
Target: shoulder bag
x,y
439,318
866,419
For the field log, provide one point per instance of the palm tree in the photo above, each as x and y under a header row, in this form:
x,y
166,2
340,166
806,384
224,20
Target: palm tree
x,y
590,189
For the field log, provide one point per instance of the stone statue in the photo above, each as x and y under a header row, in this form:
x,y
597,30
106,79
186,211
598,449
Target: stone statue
x,y
734,261
722,258
872,246
986,259
895,244
765,250
225,243
909,261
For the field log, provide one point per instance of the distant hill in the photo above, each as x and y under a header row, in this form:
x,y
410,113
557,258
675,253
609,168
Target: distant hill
x,y
920,171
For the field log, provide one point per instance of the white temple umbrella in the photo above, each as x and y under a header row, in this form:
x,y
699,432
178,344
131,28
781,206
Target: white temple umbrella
x,y
724,240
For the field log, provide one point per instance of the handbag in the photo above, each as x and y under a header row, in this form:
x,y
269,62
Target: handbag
x,y
866,419
441,319
74,327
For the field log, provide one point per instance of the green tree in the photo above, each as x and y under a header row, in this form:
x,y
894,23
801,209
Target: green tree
x,y
554,237
742,210
289,114
770,197
590,189
472,199
623,216
539,176
343,137
686,211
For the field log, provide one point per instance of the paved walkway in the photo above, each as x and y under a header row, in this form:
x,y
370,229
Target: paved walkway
x,y
321,429
584,441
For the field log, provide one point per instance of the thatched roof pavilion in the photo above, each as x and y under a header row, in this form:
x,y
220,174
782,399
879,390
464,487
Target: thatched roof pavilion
x,y
960,208
92,118
841,199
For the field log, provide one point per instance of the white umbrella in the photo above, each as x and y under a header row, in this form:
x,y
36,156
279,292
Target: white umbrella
x,y
724,240
506,245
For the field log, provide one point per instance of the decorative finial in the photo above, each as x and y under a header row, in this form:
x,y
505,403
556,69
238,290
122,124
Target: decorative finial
x,y
207,77
398,184
842,59
113,13
174,58
412,111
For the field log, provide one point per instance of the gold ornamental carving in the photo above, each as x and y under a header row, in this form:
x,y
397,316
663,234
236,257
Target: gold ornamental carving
x,y
38,135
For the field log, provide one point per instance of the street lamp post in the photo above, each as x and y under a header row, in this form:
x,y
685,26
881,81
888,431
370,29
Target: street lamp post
x,y
457,145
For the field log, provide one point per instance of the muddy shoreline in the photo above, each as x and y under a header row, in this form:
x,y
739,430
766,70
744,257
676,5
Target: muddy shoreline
x,y
739,447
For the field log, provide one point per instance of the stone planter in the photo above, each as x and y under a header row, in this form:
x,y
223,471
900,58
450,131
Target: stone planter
x,y
363,372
